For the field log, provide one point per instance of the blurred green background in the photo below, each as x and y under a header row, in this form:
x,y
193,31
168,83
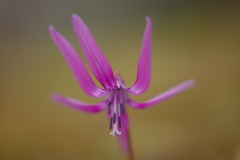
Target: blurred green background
x,y
195,39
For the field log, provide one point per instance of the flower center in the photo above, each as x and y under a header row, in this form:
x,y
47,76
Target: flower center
x,y
115,109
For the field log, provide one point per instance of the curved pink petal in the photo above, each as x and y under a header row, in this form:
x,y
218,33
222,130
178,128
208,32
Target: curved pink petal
x,y
144,64
124,138
97,61
161,97
79,105
76,64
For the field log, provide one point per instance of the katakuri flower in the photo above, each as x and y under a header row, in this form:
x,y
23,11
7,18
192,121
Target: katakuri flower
x,y
114,90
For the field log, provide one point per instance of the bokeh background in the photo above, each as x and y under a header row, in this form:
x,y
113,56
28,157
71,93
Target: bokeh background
x,y
194,39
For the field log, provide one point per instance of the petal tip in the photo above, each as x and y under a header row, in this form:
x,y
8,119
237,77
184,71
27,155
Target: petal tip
x,y
148,19
74,16
191,82
51,29
55,96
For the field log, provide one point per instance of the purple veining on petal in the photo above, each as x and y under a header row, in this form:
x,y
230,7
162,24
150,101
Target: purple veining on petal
x,y
144,64
163,96
77,66
79,105
97,61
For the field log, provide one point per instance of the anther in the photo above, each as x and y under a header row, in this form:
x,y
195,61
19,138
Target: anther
x,y
114,118
122,108
109,105
119,122
111,123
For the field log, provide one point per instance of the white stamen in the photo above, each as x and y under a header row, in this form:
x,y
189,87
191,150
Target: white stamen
x,y
115,130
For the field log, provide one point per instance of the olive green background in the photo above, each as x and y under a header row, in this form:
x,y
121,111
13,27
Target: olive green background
x,y
191,39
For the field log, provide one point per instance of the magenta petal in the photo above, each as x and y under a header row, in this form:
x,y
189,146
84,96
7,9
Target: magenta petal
x,y
79,105
144,64
124,138
97,61
76,64
161,97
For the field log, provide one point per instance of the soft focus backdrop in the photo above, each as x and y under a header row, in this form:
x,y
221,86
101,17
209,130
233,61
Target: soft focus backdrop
x,y
197,39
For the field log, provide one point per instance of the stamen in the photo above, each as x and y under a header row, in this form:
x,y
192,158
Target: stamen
x,y
109,105
111,123
122,108
115,111
119,122
115,130
114,118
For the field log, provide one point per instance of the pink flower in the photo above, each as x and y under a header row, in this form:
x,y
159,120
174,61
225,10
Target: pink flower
x,y
115,92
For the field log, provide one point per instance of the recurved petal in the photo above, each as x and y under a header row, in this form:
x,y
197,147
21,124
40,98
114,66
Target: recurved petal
x,y
76,64
144,63
79,105
124,138
97,61
161,97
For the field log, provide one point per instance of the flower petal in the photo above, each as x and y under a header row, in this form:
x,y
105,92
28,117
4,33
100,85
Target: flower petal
x,y
124,138
144,64
97,61
79,105
161,97
76,64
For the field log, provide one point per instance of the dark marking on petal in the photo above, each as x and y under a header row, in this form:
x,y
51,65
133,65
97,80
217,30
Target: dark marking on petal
x,y
114,118
122,108
119,122
111,123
